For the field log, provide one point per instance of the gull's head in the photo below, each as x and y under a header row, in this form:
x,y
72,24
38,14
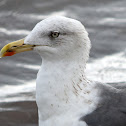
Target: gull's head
x,y
55,37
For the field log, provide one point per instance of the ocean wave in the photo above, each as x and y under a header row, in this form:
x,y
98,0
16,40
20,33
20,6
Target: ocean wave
x,y
108,69
14,31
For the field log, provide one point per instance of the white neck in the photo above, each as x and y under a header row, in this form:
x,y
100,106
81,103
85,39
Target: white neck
x,y
59,84
62,87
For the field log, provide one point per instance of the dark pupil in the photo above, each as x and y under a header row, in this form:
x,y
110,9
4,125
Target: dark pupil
x,y
55,34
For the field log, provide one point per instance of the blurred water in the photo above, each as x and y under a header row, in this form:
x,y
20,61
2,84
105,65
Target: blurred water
x,y
106,24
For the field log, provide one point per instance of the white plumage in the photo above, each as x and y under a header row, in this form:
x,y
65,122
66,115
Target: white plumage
x,y
63,93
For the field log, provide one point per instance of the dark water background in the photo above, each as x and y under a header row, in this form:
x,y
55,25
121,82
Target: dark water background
x,y
105,20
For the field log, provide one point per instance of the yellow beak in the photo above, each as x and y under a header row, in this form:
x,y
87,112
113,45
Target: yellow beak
x,y
15,47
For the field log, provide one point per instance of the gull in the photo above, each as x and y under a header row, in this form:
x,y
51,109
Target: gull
x,y
64,96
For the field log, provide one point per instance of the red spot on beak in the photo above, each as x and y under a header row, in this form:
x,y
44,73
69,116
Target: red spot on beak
x,y
9,53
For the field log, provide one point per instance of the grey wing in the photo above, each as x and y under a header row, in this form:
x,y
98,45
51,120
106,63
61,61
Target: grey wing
x,y
111,110
120,85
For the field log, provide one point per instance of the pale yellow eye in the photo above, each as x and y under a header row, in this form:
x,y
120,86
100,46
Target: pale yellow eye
x,y
55,34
